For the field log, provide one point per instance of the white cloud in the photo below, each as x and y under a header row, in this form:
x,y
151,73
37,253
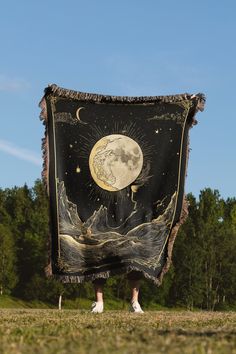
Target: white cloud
x,y
9,84
20,153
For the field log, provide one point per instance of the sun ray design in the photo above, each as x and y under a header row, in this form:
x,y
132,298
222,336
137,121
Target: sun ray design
x,y
95,134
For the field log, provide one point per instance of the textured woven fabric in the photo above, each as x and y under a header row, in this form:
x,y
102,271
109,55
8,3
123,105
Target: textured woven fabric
x,y
115,169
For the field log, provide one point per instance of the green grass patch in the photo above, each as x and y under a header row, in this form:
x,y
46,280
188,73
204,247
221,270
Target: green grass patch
x,y
79,331
75,304
9,302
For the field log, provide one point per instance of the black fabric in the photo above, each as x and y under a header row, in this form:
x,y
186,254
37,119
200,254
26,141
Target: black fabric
x,y
116,182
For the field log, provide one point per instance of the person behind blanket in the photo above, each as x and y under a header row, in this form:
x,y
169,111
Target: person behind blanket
x,y
134,278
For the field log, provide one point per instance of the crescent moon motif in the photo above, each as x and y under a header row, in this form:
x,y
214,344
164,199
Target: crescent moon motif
x,y
78,117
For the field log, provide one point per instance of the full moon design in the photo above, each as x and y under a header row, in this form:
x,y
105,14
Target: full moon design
x,y
115,162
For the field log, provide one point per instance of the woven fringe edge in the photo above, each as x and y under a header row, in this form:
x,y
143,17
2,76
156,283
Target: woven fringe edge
x,y
104,275
172,237
44,173
83,96
44,146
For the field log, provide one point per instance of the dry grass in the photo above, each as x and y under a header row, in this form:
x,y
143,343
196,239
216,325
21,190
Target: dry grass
x,y
70,331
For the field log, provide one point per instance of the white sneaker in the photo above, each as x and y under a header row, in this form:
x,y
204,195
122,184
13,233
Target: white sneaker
x,y
135,307
97,307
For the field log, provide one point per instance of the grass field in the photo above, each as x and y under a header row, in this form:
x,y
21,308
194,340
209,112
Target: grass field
x,y
71,331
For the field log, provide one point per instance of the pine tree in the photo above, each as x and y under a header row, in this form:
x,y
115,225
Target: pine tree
x,y
211,233
186,287
8,276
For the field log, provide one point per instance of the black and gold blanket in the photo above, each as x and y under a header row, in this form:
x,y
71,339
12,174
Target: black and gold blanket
x,y
115,170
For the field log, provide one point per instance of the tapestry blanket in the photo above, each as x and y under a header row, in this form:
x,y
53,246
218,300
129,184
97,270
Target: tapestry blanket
x,y
115,170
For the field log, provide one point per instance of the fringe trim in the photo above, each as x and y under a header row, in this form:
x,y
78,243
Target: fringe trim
x,y
200,106
104,275
44,147
44,173
172,237
83,96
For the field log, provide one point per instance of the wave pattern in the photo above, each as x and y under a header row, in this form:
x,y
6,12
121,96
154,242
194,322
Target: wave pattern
x,y
94,244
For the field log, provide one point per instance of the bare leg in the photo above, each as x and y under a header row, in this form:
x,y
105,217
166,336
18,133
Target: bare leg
x,y
134,281
134,286
98,289
97,306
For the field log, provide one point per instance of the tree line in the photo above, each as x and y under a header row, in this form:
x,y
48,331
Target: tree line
x,y
203,273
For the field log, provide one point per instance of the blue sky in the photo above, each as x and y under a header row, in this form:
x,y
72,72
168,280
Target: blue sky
x,y
123,47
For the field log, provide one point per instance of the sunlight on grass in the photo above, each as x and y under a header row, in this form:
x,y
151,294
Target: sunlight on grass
x,y
53,331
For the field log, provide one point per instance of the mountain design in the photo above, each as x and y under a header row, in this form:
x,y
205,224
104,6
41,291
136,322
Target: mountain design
x,y
95,243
